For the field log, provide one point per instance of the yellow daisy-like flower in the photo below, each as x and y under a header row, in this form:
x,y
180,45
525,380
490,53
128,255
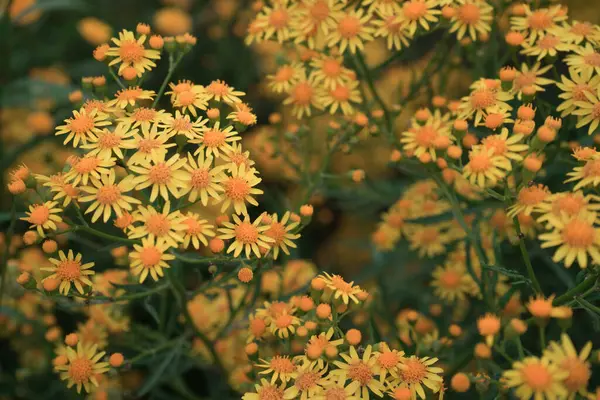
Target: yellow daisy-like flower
x,y
428,240
236,157
427,138
130,52
107,196
279,367
564,354
538,21
587,175
586,58
361,370
214,140
307,382
164,177
336,387
145,117
166,226
577,237
419,13
107,142
329,71
531,77
576,89
191,100
43,216
388,360
390,25
130,97
277,20
472,17
83,368
242,115
280,232
350,32
68,269
485,168
486,95
547,45
204,179
386,6
239,189
265,390
452,283
313,20
303,97
182,124
588,111
285,77
149,258
58,184
529,200
151,145
340,288
82,126
567,203
196,230
578,31
90,166
417,372
220,91
341,97
505,146
248,236
536,377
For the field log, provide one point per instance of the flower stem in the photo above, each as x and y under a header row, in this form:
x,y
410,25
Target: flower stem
x,y
526,259
588,283
101,234
172,66
7,241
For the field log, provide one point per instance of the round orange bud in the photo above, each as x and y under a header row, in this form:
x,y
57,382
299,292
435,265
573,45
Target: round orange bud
x,y
274,118
49,246
60,360
23,278
30,237
518,325
358,175
362,295
518,9
124,220
71,339
251,348
435,310
317,283
17,187
425,158
422,114
75,96
454,152
529,90
526,112
461,125
100,52
489,324
40,122
306,303
306,210
508,74
455,330
441,163
546,134
294,217
448,12
353,337
449,175
301,331
310,325
213,113
216,245
361,119
220,219
331,351
99,81
494,121
156,42
395,156
439,101
460,383
377,113
245,274
553,123
524,127
323,310
532,163
314,351
514,38
129,73
52,334
469,140
50,284
142,29
482,351
116,360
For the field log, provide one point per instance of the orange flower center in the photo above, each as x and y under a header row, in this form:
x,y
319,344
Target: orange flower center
x,y
307,380
579,234
488,325
426,135
596,111
81,370
393,24
592,59
108,140
257,327
193,226
284,74
245,117
108,194
429,235
480,162
540,20
246,233
129,94
283,321
237,188
319,11
131,51
270,393
186,98
414,371
158,225
414,10
349,26
536,376
182,87
282,365
303,93
540,308
340,93
331,68
68,270
218,88
213,138
580,90
532,195
276,231
81,124
182,124
582,28
526,79
92,105
143,114
150,256
548,42
591,168
360,372
335,393
86,165
147,145
579,373
388,359
200,178
39,215
483,98
279,18
450,279
160,173
469,13
340,284
570,204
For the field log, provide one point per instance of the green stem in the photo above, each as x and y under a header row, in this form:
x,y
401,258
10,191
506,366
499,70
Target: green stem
x,y
542,329
101,234
526,259
582,287
588,305
116,78
520,347
8,240
172,66
503,354
125,297
153,351
207,260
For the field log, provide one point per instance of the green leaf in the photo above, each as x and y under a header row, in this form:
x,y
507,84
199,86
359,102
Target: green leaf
x,y
158,373
151,310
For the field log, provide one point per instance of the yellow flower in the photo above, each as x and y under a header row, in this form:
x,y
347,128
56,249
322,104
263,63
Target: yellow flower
x,y
149,258
531,77
486,95
386,6
536,377
340,288
537,22
588,175
567,203
107,142
239,189
417,372
281,368
390,25
196,98
547,45
341,97
58,184
336,387
306,383
145,117
419,13
277,20
577,237
484,168
265,390
89,166
196,230
163,177
220,91
242,115
427,138
247,236
505,146
130,97
165,226
314,19
577,31
204,179
588,111
576,89
529,199
151,145
183,125
281,234
68,269
285,77
107,195
472,17
452,283
130,52
82,126
361,370
565,356
303,97
83,367
585,59
236,157
213,140
43,216
350,31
